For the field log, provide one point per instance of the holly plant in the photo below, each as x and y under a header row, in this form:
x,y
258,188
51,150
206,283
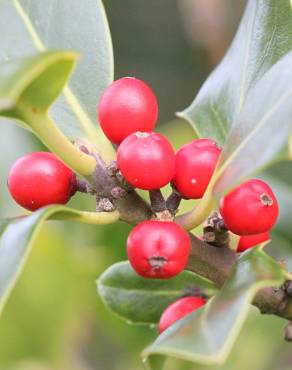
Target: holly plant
x,y
193,274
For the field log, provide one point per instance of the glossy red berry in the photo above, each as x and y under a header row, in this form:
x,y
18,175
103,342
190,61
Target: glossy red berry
x,y
146,160
39,179
251,208
249,241
194,165
158,249
126,106
179,309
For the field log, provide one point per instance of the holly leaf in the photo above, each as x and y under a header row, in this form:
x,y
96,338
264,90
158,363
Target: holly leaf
x,y
34,82
263,37
35,26
207,335
260,130
140,300
18,236
28,87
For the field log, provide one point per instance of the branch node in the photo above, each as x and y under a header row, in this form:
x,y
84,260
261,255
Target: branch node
x,y
215,231
104,205
163,216
118,192
112,169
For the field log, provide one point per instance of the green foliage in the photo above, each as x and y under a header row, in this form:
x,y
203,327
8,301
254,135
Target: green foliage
x,y
256,137
207,335
22,81
17,238
263,37
140,300
242,104
20,99
40,25
258,103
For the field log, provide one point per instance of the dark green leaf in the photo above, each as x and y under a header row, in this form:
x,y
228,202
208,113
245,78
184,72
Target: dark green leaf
x,y
17,237
263,37
207,335
141,300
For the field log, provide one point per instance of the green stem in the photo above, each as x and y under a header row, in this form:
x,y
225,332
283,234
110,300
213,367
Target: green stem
x,y
198,215
47,131
94,218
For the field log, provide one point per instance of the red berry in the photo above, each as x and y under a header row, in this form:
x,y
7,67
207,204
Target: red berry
x,y
39,179
146,160
158,249
126,106
194,165
251,208
179,309
249,241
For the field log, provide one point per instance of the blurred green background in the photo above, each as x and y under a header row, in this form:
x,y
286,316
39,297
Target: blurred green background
x,y
54,318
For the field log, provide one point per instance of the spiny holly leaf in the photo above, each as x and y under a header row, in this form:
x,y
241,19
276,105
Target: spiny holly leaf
x,y
263,37
18,235
140,300
207,335
73,25
261,129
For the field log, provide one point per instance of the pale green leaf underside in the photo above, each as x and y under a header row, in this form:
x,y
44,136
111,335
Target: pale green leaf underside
x,y
28,87
27,26
142,301
17,238
263,37
207,335
261,129
36,81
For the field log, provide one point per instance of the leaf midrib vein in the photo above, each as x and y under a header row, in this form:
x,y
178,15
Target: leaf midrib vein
x,y
246,58
76,107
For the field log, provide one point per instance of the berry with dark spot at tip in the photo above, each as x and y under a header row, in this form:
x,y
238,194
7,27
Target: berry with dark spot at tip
x,y
158,249
251,208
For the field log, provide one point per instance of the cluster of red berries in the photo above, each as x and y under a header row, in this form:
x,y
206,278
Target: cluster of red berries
x,y
160,249
127,113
